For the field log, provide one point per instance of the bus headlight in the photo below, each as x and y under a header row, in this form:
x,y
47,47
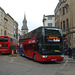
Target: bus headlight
x,y
62,55
44,56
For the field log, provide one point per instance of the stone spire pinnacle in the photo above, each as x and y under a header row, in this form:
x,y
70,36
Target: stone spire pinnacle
x,y
24,27
24,16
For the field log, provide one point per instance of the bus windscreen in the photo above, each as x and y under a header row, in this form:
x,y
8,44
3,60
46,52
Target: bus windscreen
x,y
53,36
51,48
52,32
3,39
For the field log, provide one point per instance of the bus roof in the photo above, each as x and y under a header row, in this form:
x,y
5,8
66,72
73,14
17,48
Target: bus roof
x,y
47,27
25,35
8,37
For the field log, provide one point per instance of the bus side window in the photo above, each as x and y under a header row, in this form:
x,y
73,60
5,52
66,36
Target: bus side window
x,y
32,47
24,47
10,46
38,34
39,47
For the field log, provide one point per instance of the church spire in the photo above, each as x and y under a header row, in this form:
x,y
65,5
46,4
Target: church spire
x,y
24,16
24,27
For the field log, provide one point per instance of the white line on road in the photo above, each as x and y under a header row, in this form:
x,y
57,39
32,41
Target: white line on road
x,y
61,67
64,64
11,60
23,64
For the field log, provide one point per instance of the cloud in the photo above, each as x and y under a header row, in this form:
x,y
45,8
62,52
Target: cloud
x,y
34,10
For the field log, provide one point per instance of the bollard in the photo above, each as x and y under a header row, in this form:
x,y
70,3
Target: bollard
x,y
16,51
12,52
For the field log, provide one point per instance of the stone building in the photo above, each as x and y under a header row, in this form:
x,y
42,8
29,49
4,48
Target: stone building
x,y
19,34
8,26
49,20
24,27
65,19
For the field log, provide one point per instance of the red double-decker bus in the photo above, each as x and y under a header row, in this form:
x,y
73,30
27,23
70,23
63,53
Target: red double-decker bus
x,y
7,44
45,44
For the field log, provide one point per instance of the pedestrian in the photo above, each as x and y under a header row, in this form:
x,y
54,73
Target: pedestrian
x,y
70,52
73,53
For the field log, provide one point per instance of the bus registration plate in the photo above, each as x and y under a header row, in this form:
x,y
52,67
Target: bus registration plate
x,y
53,59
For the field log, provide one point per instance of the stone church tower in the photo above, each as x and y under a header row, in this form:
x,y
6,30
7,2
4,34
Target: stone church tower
x,y
24,27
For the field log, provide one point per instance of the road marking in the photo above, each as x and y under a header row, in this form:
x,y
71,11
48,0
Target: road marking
x,y
23,64
64,64
15,57
11,60
57,73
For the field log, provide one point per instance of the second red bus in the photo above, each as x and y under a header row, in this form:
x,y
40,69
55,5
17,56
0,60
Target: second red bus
x,y
7,44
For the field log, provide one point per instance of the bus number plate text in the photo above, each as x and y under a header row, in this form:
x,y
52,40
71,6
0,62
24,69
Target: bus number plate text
x,y
53,59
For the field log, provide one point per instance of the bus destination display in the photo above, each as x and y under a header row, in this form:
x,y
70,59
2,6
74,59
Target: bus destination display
x,y
52,39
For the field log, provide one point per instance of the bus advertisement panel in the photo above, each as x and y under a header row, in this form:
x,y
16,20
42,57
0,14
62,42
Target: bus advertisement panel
x,y
45,44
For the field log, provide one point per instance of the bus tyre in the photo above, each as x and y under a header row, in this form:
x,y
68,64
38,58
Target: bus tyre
x,y
34,57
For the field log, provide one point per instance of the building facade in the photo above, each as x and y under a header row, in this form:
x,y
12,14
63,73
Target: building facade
x,y
8,26
24,27
49,20
65,19
19,34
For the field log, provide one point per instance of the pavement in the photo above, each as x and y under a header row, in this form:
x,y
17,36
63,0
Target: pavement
x,y
68,67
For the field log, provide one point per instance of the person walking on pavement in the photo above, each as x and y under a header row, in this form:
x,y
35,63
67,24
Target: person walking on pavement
x,y
73,53
70,52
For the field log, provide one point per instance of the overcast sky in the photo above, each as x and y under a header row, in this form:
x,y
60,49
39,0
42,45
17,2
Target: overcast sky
x,y
34,10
